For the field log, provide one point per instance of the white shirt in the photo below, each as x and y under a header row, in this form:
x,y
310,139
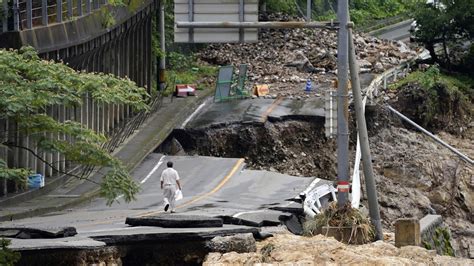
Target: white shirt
x,y
169,176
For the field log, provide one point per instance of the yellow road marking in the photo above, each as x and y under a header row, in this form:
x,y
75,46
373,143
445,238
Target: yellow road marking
x,y
198,198
145,214
270,109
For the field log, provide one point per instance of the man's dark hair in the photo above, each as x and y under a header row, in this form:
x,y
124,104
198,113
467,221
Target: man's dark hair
x,y
169,164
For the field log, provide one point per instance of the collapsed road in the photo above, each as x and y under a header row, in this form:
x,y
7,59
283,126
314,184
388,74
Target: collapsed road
x,y
213,187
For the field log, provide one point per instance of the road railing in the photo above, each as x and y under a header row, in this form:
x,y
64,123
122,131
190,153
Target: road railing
x,y
18,15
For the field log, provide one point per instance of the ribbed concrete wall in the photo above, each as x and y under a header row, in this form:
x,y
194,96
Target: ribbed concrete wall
x,y
123,49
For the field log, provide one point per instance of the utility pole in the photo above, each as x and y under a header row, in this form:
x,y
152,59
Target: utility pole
x,y
342,105
162,62
364,141
308,10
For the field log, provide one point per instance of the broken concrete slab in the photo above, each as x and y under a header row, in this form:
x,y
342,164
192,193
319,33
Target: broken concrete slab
x,y
294,225
144,234
292,207
31,233
175,221
257,218
240,243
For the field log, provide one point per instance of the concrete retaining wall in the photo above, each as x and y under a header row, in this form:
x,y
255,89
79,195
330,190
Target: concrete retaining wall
x,y
435,235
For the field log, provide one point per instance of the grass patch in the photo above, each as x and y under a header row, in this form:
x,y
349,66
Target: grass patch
x,y
429,78
188,70
436,100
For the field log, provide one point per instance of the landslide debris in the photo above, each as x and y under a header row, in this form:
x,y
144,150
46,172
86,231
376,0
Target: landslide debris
x,y
415,176
276,48
288,249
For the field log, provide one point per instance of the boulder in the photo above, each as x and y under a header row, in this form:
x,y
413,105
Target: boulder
x,y
240,243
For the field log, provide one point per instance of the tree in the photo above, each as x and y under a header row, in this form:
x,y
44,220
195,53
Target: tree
x,y
8,257
443,25
29,85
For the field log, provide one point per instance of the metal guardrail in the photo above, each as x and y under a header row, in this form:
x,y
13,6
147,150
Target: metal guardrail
x,y
17,15
392,75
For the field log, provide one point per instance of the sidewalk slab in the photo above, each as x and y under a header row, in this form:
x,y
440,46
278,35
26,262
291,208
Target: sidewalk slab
x,y
175,221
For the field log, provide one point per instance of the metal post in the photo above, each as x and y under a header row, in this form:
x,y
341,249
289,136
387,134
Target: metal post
x,y
59,11
69,8
308,10
44,12
79,8
88,6
5,17
162,62
16,16
241,19
29,14
342,106
191,19
364,142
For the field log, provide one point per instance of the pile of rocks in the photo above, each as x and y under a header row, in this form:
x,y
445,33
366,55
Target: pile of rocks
x,y
287,249
270,58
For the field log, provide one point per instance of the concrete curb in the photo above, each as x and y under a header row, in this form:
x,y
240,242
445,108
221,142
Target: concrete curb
x,y
131,163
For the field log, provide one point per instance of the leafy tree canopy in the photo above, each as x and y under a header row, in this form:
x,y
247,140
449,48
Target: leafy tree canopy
x,y
29,86
446,25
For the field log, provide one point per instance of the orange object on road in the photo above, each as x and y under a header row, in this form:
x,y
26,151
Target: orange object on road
x,y
261,90
184,90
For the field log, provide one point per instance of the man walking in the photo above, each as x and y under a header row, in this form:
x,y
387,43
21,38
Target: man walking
x,y
169,179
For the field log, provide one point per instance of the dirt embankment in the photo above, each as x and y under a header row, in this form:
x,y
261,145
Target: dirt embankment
x,y
295,147
415,176
287,249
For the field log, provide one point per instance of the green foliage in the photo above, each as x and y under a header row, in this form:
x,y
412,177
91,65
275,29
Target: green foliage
x,y
29,86
444,25
8,257
440,241
436,100
179,62
201,75
284,6
455,83
20,176
427,245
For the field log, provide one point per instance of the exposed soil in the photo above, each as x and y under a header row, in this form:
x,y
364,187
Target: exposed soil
x,y
295,147
414,175
287,249
437,109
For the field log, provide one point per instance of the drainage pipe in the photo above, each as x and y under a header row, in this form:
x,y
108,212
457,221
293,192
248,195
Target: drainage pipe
x,y
461,155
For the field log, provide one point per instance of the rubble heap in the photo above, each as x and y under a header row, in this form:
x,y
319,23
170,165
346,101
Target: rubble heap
x,y
270,57
287,249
